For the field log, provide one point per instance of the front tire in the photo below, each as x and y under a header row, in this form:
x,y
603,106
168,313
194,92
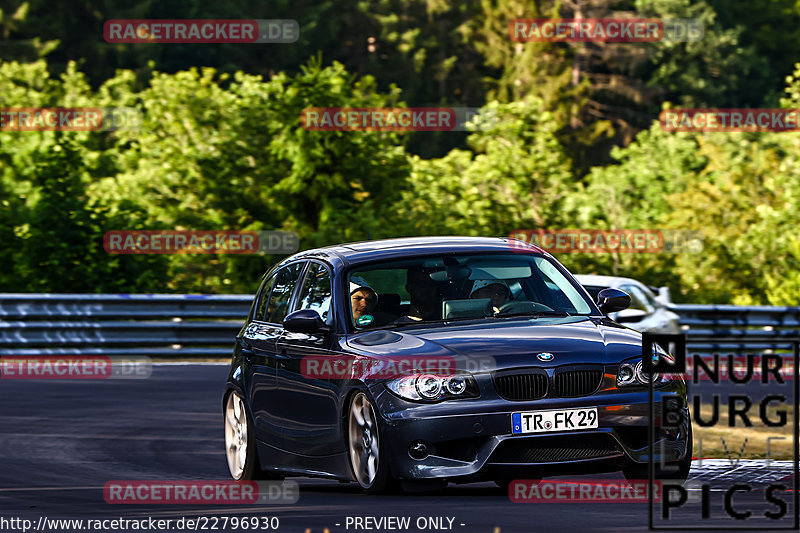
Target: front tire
x,y
365,448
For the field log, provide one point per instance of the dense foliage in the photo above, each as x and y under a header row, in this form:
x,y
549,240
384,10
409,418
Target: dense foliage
x,y
576,143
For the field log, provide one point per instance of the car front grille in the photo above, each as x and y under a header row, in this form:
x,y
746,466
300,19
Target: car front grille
x,y
555,449
518,387
571,381
574,383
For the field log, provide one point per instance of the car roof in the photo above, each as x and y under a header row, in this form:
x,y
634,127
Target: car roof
x,y
364,251
605,281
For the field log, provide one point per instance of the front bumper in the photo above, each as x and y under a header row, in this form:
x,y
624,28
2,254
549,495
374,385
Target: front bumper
x,y
471,439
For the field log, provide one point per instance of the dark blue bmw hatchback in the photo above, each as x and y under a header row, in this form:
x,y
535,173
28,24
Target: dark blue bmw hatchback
x,y
432,360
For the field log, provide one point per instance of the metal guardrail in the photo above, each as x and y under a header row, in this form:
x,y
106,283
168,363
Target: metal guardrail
x,y
739,328
156,325
167,325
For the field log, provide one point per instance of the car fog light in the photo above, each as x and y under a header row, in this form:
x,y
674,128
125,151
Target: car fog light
x,y
418,449
429,386
456,385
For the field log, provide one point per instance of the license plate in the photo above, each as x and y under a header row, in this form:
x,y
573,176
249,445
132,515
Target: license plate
x,y
554,420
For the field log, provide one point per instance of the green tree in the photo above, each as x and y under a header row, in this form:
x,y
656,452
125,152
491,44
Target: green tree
x,y
219,152
737,189
212,152
516,177
603,94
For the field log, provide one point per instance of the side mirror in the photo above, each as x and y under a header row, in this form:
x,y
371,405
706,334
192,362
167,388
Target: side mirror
x,y
613,300
304,321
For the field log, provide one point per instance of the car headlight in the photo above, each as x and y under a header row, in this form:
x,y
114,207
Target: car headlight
x,y
456,385
631,372
626,374
429,386
433,388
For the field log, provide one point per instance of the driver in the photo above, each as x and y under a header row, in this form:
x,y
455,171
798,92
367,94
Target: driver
x,y
363,300
495,289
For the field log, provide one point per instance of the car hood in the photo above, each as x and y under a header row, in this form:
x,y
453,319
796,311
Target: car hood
x,y
507,343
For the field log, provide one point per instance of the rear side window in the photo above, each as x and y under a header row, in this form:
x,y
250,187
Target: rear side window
x,y
263,298
285,283
316,293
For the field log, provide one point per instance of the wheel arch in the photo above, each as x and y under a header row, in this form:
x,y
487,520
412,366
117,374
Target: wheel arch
x,y
352,389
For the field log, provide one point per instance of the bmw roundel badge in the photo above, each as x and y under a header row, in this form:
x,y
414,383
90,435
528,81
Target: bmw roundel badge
x,y
545,356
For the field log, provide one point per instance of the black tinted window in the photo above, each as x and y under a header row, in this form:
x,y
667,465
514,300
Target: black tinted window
x,y
263,298
316,293
285,282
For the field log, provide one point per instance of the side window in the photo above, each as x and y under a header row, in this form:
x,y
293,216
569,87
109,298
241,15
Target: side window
x,y
638,299
263,298
285,282
316,293
649,299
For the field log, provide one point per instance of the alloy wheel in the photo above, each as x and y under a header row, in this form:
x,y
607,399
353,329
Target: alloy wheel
x,y
364,440
236,435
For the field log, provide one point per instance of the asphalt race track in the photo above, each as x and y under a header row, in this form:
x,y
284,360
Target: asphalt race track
x,y
61,441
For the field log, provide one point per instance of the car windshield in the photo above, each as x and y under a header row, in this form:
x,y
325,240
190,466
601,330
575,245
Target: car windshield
x,y
460,287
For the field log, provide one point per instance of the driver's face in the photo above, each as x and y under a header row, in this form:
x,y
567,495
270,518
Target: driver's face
x,y
362,303
498,294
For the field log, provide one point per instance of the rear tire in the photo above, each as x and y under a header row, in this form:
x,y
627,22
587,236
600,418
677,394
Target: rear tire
x,y
240,442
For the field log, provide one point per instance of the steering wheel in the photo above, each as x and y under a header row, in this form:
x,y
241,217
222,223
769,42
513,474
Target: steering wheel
x,y
523,307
